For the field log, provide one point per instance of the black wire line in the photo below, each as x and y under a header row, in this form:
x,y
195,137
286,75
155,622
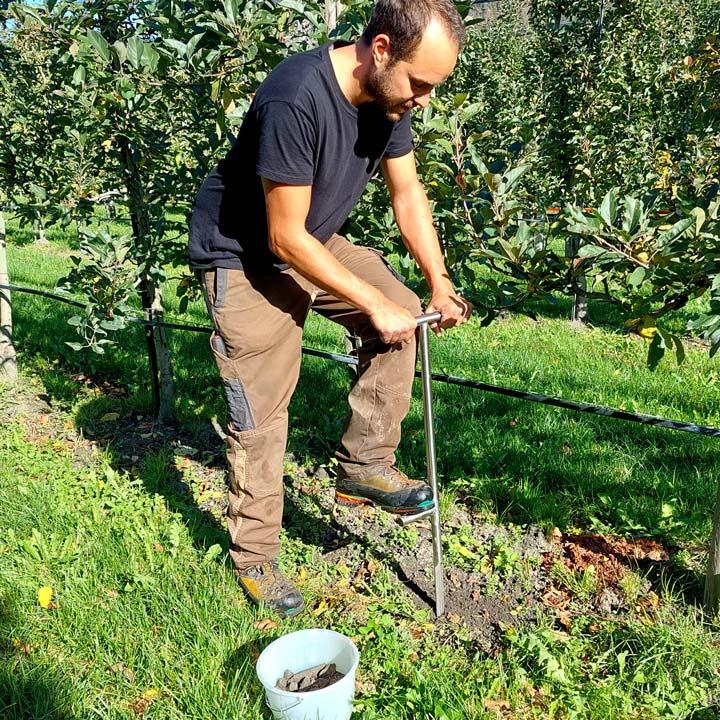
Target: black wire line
x,y
447,379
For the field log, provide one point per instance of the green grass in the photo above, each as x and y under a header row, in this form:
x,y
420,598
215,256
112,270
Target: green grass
x,y
148,613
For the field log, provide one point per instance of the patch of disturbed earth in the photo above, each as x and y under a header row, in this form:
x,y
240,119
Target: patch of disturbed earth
x,y
42,421
485,600
196,455
196,465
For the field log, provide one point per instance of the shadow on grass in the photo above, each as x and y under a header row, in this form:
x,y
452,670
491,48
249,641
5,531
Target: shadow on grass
x,y
708,713
240,665
527,464
28,690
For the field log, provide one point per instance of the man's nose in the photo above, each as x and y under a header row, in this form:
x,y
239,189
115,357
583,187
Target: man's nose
x,y
422,100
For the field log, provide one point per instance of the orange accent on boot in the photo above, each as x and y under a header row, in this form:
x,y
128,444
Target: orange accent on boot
x,y
343,499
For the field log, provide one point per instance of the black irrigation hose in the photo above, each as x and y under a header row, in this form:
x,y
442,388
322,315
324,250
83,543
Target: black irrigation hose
x,y
448,379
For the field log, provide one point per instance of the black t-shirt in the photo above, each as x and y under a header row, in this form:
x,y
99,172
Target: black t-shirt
x,y
299,130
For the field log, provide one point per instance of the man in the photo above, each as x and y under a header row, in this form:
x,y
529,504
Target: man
x,y
263,239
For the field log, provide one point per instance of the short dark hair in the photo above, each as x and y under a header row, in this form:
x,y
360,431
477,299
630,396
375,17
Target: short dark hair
x,y
405,21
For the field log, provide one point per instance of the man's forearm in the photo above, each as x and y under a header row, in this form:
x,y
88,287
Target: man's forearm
x,y
302,252
414,220
287,208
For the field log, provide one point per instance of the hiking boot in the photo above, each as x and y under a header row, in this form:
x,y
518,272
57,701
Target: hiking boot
x,y
265,584
387,487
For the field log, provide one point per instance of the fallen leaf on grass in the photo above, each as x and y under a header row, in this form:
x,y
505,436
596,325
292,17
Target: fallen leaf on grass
x,y
45,596
266,624
140,704
365,687
109,417
497,705
123,669
554,598
417,632
21,647
42,419
465,552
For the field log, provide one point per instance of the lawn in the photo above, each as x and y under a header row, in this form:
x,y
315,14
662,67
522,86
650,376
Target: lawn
x,y
575,544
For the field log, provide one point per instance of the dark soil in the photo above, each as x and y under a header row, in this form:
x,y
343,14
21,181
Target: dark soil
x,y
486,600
314,678
486,594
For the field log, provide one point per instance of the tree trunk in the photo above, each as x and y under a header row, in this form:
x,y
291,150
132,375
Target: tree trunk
x,y
161,376
41,238
8,357
333,8
579,309
712,579
159,352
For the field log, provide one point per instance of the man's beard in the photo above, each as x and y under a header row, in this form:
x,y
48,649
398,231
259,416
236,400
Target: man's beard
x,y
378,87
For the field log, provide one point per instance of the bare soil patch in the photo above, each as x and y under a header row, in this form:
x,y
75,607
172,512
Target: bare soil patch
x,y
513,576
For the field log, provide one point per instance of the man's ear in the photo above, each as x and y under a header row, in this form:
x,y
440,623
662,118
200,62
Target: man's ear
x,y
380,49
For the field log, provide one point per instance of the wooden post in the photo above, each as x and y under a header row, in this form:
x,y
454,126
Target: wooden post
x,y
712,579
8,357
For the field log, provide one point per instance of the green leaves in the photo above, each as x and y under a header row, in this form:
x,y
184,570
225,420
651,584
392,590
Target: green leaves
x,y
98,43
676,231
231,11
141,54
103,274
608,209
662,341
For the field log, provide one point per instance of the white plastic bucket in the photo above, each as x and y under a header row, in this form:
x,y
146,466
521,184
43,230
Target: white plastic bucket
x,y
299,651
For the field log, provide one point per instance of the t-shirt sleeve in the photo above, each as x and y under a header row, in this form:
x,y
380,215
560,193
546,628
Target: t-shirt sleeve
x,y
286,144
401,138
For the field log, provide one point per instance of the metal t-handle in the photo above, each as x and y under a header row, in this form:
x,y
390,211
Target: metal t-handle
x,y
438,571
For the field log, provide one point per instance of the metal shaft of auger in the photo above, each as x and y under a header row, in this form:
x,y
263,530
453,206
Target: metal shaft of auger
x,y
434,513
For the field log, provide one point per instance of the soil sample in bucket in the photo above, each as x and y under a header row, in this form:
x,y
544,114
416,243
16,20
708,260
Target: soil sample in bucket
x,y
314,678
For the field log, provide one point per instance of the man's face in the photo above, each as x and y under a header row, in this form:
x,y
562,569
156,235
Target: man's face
x,y
399,86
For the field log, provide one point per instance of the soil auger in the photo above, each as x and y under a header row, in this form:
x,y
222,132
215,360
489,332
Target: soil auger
x,y
423,322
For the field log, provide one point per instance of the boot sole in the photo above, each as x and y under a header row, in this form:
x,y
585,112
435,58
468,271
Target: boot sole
x,y
354,500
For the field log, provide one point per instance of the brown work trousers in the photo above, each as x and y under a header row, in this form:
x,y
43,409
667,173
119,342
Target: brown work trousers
x,y
257,344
